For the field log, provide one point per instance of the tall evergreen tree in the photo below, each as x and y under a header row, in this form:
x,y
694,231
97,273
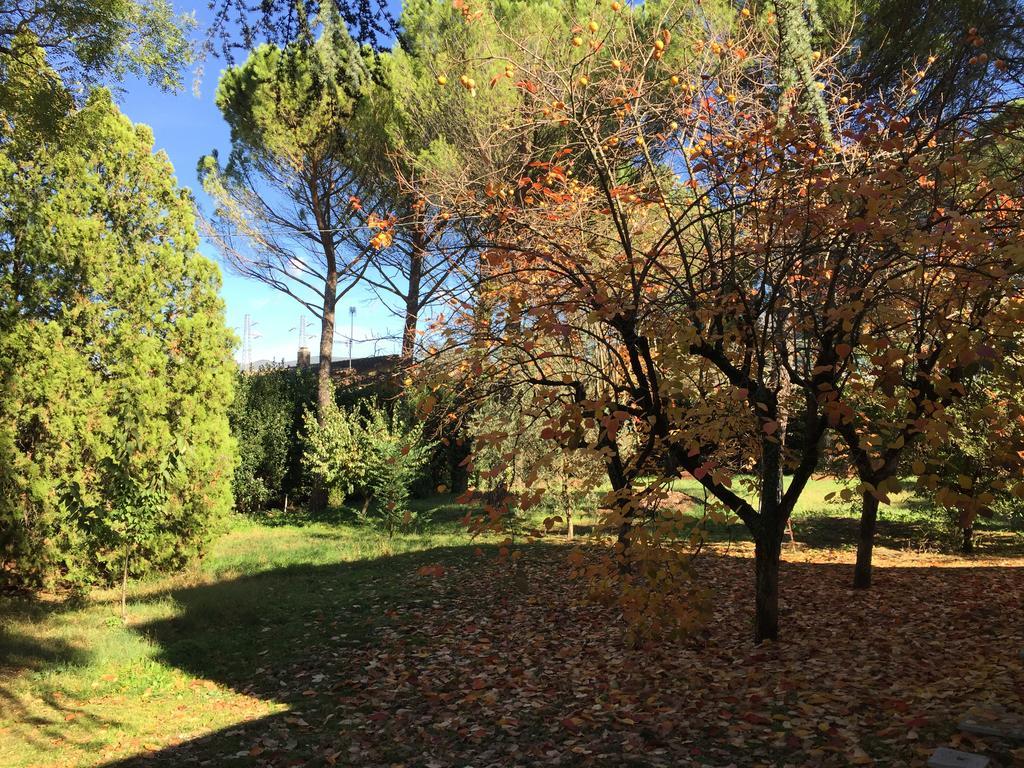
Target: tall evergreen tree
x,y
115,362
287,200
89,41
957,53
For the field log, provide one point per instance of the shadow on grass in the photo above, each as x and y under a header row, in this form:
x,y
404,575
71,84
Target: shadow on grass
x,y
300,515
829,532
290,636
916,534
298,636
47,713
282,616
432,510
270,636
20,652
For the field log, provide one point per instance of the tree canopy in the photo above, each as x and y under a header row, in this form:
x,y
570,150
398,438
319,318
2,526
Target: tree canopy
x,y
746,264
89,41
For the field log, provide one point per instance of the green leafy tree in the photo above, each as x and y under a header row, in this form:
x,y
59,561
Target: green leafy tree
x,y
135,493
85,42
262,425
977,468
287,200
954,54
427,106
512,454
110,323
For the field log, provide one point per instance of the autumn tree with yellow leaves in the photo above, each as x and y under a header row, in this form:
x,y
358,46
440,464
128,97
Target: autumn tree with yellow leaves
x,y
697,275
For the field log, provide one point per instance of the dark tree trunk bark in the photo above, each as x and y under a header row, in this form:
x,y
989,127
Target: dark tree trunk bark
x,y
566,501
458,452
767,553
967,545
866,541
768,543
620,486
624,537
324,384
412,296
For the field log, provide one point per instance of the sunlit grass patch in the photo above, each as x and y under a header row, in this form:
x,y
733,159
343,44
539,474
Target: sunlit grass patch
x,y
79,687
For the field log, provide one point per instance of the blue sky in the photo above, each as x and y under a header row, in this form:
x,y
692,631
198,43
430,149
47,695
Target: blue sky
x,y
187,126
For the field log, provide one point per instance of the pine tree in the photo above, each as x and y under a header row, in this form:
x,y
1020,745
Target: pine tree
x,y
288,199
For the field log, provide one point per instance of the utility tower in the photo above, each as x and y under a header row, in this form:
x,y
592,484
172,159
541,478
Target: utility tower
x,y
247,344
249,333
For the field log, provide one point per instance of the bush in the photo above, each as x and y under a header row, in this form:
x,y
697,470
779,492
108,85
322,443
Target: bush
x,y
975,471
266,418
369,453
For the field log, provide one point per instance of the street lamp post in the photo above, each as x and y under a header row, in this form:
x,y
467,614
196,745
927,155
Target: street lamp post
x,y
351,333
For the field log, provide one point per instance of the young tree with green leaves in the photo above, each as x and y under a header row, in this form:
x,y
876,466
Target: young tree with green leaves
x,y
262,424
369,452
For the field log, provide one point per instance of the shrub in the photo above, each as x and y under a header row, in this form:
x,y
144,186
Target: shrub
x,y
266,418
370,453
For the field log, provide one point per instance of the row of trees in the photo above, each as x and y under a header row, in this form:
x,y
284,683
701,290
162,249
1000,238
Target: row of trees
x,y
709,246
705,238
320,192
115,363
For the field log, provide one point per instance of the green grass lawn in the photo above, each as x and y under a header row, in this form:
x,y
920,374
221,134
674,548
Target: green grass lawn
x,y
78,686
209,648
908,522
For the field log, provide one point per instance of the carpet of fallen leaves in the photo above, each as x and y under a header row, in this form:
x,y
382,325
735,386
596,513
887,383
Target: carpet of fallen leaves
x,y
492,664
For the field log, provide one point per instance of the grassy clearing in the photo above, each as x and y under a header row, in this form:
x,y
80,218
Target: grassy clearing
x,y
234,645
908,522
78,687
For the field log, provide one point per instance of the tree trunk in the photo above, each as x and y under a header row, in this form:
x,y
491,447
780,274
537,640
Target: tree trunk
x,y
622,488
324,387
767,553
768,543
412,296
866,542
458,452
566,502
324,384
967,545
124,587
